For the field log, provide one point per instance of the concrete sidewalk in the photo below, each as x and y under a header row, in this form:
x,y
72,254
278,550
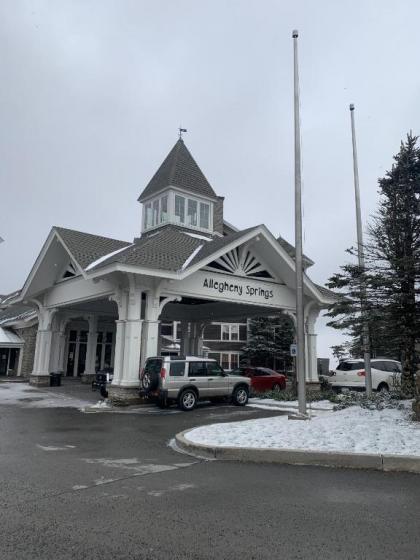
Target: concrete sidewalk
x,y
334,459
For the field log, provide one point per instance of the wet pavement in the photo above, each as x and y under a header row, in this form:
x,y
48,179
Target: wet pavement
x,y
106,485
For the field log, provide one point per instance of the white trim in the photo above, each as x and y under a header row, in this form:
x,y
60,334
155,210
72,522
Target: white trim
x,y
105,257
190,258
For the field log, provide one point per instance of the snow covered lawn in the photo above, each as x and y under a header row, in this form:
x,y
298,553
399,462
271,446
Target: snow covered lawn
x,y
354,430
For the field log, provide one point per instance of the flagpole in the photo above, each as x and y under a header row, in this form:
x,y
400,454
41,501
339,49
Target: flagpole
x,y
300,325
361,257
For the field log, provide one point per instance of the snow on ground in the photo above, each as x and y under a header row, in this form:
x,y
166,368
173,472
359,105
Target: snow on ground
x,y
269,404
26,396
354,430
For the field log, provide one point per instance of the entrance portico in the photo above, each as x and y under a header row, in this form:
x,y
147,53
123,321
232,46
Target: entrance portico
x,y
100,301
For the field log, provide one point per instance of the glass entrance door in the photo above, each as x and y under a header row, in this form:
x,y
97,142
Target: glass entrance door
x,y
76,354
4,358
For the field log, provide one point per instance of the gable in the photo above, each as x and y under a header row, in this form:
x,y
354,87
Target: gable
x,y
241,261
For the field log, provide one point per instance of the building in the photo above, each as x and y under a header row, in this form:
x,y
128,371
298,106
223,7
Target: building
x,y
91,301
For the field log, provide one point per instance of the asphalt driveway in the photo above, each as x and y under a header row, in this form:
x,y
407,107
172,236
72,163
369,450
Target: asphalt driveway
x,y
107,485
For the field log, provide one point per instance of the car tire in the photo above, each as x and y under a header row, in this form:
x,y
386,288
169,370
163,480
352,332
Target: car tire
x,y
276,387
187,400
383,388
240,395
150,381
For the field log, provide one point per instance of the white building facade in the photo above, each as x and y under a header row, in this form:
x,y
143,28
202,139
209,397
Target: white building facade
x,y
99,302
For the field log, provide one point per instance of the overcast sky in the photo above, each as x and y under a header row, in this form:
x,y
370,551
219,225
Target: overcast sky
x,y
92,93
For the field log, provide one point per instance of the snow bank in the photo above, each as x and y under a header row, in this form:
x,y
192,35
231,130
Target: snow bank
x,y
354,430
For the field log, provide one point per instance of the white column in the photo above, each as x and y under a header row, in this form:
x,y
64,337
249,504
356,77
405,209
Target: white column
x,y
185,338
311,365
129,337
119,350
41,368
91,347
151,325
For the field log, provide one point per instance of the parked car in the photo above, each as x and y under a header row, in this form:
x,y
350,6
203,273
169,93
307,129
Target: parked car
x,y
262,379
351,373
186,380
102,378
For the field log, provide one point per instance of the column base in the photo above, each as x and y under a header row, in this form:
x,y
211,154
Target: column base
x,y
39,380
87,378
124,396
313,386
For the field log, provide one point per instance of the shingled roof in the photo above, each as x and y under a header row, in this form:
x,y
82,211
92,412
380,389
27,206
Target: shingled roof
x,y
87,248
179,169
167,249
291,251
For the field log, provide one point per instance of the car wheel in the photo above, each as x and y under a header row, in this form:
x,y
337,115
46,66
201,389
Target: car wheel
x,y
276,387
187,400
383,388
240,396
150,381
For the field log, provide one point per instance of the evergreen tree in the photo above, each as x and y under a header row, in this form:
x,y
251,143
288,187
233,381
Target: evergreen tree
x,y
269,340
395,252
391,275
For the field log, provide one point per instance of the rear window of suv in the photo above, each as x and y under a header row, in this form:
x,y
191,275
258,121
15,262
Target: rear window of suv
x,y
153,366
348,366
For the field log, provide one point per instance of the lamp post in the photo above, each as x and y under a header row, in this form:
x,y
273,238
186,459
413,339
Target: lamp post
x,y
361,257
300,325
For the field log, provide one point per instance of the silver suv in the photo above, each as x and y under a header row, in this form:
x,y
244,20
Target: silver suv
x,y
185,380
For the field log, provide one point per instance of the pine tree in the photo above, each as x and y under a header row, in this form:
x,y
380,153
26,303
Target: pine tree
x,y
269,340
395,252
391,275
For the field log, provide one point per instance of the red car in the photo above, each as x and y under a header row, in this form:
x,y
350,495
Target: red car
x,y
262,379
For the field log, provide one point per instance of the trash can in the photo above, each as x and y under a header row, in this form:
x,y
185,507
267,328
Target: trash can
x,y
55,379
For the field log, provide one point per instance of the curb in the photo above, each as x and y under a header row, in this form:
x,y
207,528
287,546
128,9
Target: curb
x,y
378,462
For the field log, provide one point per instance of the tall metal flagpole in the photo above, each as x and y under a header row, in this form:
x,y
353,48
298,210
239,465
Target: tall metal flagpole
x,y
300,326
361,256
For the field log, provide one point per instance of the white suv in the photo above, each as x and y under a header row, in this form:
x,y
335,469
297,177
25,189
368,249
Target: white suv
x,y
185,380
351,374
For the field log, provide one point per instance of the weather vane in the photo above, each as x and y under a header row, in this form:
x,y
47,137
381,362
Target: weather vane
x,y
181,130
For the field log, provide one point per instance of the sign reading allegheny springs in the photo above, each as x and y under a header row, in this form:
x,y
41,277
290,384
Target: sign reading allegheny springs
x,y
235,289
224,286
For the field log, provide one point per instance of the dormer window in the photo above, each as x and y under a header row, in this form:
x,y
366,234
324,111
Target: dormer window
x,y
176,208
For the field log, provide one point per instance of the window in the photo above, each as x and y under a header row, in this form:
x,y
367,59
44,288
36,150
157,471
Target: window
x,y
214,369
234,361
348,366
153,366
149,216
166,329
104,350
192,212
163,209
197,369
228,360
179,209
232,332
177,369
204,215
225,361
155,211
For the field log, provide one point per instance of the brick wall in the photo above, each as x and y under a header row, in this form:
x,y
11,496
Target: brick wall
x,y
29,336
